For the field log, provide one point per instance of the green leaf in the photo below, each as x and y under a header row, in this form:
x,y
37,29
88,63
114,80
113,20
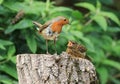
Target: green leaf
x,y
87,6
80,36
77,34
100,20
103,73
11,51
88,43
98,5
1,1
9,29
31,42
67,36
13,59
116,81
60,9
112,63
16,6
23,24
112,16
9,70
5,80
47,5
1,57
2,47
77,14
107,41
116,48
35,8
5,42
113,29
1,28
107,2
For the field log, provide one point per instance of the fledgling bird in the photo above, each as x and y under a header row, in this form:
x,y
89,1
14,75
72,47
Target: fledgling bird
x,y
51,29
76,50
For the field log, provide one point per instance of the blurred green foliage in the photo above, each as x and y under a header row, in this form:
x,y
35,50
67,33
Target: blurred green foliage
x,y
98,29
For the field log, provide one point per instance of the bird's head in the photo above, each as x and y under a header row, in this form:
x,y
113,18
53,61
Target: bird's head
x,y
62,20
72,44
76,46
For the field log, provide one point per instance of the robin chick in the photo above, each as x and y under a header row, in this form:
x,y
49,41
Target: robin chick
x,y
76,50
51,29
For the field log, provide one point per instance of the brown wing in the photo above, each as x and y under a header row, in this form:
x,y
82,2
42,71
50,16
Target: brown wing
x,y
40,26
45,25
50,22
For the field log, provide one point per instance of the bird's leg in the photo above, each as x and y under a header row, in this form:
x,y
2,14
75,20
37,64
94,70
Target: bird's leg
x,y
47,47
55,45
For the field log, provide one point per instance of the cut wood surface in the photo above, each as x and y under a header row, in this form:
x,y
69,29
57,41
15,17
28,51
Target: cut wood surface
x,y
54,69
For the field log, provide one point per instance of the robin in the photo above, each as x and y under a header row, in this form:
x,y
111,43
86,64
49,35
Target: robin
x,y
76,50
51,29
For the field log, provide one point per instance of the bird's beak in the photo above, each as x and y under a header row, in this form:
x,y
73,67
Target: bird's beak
x,y
70,44
69,22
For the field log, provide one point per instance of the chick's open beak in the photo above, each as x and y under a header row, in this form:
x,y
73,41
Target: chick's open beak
x,y
70,44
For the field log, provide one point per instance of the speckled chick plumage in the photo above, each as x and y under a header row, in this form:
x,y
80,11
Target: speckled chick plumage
x,y
76,50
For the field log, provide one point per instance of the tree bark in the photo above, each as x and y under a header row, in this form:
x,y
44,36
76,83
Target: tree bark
x,y
54,69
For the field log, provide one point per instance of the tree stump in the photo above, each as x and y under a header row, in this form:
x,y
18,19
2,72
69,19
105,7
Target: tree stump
x,y
54,69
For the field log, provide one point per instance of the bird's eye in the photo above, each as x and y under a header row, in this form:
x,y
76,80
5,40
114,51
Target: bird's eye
x,y
64,19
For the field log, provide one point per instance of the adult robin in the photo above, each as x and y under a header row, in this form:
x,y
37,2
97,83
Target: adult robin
x,y
51,29
76,50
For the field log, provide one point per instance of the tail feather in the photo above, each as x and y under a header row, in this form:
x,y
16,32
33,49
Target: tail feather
x,y
38,25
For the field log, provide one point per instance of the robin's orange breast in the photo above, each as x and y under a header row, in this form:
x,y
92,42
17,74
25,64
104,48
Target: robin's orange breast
x,y
56,27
